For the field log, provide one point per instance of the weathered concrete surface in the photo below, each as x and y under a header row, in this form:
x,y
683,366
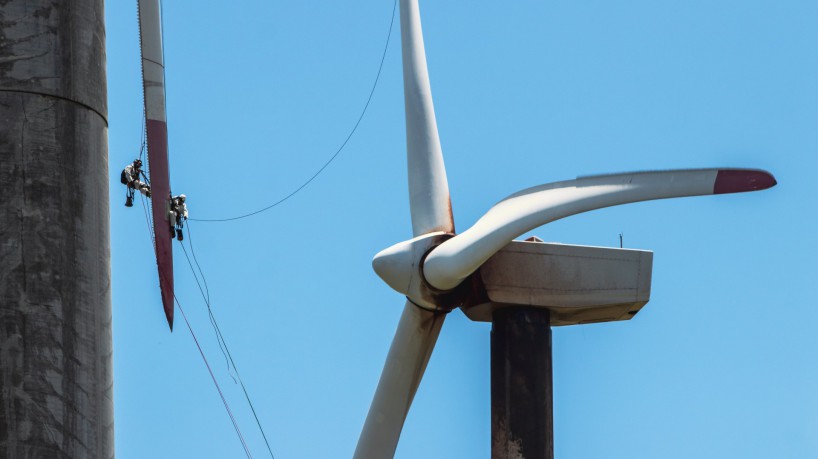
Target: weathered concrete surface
x,y
56,381
55,47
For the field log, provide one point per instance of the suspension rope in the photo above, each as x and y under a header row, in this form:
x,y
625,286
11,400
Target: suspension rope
x,y
190,242
144,141
213,323
337,152
220,337
146,211
201,352
213,377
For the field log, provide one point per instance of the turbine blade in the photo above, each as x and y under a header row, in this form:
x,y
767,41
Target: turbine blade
x,y
454,260
412,346
429,199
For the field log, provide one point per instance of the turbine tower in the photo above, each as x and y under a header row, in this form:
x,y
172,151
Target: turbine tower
x,y
56,378
438,270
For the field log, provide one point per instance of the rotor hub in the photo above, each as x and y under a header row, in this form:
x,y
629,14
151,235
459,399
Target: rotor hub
x,y
401,267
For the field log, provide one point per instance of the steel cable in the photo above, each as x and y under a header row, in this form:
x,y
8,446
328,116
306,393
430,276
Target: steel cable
x,y
337,152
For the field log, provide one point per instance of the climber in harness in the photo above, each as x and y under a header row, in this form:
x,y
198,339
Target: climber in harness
x,y
130,178
177,214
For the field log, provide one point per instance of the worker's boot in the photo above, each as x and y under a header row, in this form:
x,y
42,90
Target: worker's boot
x,y
128,201
172,232
179,234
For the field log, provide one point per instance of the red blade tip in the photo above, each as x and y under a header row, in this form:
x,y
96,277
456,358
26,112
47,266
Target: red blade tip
x,y
740,180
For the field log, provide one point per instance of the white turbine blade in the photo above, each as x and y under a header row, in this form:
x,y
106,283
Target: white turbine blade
x,y
454,260
428,188
412,346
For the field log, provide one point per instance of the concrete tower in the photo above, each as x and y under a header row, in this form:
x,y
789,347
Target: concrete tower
x,y
56,381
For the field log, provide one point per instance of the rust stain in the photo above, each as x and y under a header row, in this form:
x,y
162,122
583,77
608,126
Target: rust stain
x,y
468,293
451,215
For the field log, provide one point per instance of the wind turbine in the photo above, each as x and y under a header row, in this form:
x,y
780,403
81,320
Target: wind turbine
x,y
437,269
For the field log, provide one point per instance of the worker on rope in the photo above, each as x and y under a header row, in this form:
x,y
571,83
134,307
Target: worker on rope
x,y
130,178
177,213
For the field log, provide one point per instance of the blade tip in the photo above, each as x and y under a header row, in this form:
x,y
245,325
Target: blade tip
x,y
741,180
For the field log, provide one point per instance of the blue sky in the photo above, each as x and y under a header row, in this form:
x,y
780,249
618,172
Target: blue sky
x,y
720,363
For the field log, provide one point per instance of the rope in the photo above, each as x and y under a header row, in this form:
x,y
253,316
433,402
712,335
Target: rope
x,y
337,152
190,242
213,377
207,298
220,337
144,141
201,352
148,221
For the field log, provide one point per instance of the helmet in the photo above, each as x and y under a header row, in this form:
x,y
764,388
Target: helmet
x,y
137,162
182,197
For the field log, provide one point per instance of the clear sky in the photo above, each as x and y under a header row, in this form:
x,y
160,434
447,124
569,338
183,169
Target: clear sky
x,y
720,363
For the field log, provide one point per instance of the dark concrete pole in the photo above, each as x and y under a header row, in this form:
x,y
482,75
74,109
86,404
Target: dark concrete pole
x,y
56,381
522,419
